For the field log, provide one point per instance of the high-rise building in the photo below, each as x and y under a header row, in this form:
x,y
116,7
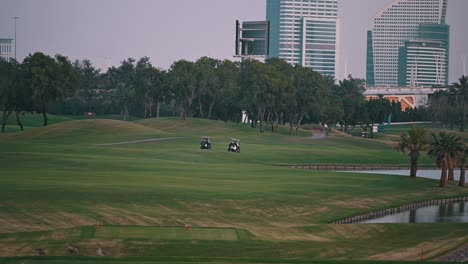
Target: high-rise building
x,y
305,32
6,50
440,33
422,63
252,38
398,22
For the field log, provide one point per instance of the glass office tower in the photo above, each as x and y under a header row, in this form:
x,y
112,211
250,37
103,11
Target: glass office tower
x,y
422,63
398,22
305,32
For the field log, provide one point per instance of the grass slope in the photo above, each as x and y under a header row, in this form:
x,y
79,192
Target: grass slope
x,y
57,183
31,121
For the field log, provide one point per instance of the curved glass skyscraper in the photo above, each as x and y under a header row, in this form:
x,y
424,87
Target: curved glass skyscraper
x,y
305,32
396,24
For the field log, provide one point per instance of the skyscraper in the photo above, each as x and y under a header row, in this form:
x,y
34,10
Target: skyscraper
x,y
252,38
6,49
422,63
393,26
305,32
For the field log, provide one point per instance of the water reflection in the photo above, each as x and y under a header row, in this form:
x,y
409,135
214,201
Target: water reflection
x,y
430,174
444,213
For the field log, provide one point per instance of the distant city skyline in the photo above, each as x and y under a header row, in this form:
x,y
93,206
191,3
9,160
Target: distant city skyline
x,y
109,31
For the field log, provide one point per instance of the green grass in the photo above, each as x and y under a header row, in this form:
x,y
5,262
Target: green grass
x,y
33,120
56,183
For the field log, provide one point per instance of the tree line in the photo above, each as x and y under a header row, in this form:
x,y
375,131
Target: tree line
x,y
448,108
271,93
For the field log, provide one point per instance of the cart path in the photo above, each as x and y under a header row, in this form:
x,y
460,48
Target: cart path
x,y
318,136
139,141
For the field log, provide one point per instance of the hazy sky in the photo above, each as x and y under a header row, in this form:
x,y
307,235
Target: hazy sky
x,y
108,31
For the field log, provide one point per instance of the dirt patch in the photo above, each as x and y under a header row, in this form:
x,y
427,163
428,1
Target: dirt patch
x,y
41,221
13,225
431,249
56,235
14,250
114,248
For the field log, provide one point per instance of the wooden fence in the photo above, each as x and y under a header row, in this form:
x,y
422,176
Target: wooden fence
x,y
382,213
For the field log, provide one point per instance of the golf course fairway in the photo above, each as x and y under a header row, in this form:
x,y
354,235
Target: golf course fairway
x,y
70,184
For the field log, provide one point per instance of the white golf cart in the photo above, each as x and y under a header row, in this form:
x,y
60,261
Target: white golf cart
x,y
234,145
205,143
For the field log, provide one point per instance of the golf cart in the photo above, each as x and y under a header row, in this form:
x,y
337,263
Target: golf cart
x,y
234,146
205,143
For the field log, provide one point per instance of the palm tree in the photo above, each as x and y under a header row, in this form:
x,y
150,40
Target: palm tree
x,y
463,155
452,165
413,143
461,90
446,148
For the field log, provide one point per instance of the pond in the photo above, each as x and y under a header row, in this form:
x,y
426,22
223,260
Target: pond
x,y
451,212
429,174
443,213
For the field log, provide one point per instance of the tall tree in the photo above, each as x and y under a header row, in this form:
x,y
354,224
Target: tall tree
x,y
282,89
312,92
332,110
42,70
463,155
149,86
66,76
49,79
228,106
182,80
263,93
207,84
250,71
413,143
160,89
444,110
461,90
350,91
88,84
10,93
121,86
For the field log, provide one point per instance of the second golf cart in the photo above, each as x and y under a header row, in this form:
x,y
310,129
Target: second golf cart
x,y
205,143
234,145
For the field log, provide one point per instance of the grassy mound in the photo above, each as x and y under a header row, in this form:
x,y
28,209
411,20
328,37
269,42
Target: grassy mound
x,y
31,120
88,130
